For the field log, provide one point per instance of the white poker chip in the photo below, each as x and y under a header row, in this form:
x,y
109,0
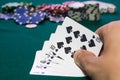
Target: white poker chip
x,y
103,6
31,25
76,5
111,8
11,4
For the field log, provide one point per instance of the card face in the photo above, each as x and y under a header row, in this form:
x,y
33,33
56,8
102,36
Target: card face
x,y
57,53
50,65
55,47
73,36
44,69
83,37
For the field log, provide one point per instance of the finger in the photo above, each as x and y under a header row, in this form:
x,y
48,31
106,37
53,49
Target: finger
x,y
103,30
106,32
86,61
100,32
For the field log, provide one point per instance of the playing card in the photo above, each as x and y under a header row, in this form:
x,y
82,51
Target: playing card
x,y
72,68
57,47
81,37
42,69
57,53
72,36
50,65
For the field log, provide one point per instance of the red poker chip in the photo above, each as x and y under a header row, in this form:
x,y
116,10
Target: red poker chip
x,y
64,8
54,8
58,8
44,7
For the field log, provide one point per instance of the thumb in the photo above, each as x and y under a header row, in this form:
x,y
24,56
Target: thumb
x,y
86,61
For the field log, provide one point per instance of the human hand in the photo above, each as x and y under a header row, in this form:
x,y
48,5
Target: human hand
x,y
107,65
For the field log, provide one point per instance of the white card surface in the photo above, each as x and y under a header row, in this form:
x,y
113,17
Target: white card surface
x,y
56,56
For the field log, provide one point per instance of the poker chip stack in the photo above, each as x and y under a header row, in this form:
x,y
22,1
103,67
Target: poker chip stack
x,y
56,12
9,7
6,16
107,8
92,12
31,15
77,10
27,15
20,15
103,6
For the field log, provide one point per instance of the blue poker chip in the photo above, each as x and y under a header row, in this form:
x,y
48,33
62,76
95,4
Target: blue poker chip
x,y
6,16
22,19
47,14
37,17
21,10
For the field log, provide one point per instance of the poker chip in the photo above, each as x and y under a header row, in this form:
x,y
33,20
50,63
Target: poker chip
x,y
21,10
41,8
76,15
22,19
92,12
6,16
45,7
31,26
37,17
53,8
9,7
31,9
77,10
103,9
103,6
67,3
11,4
76,5
56,19
28,14
111,8
25,4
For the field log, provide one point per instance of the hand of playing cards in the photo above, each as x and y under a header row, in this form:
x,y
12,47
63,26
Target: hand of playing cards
x,y
56,56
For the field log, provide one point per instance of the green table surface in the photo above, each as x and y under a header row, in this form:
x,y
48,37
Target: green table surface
x,y
18,44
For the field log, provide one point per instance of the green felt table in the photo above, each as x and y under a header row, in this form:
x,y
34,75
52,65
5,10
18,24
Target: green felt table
x,y
18,44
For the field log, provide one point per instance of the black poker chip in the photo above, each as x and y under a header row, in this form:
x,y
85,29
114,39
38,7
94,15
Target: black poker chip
x,y
31,9
8,10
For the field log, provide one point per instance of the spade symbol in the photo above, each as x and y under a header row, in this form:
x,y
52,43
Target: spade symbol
x,y
93,36
67,49
83,47
83,38
68,39
91,43
76,34
69,29
60,44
